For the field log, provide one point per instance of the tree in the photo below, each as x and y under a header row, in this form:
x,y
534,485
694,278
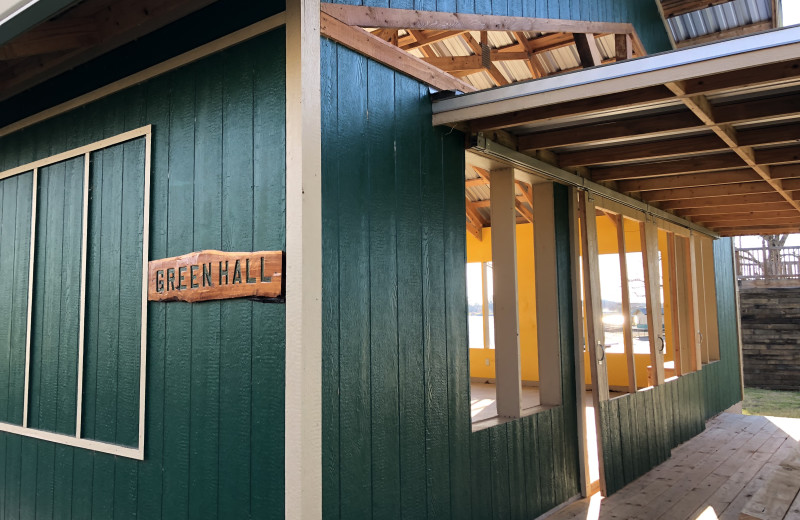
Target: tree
x,y
773,262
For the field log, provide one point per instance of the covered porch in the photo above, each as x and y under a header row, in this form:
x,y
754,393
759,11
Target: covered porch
x,y
714,475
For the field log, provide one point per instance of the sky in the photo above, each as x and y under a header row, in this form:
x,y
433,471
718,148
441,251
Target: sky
x,y
791,12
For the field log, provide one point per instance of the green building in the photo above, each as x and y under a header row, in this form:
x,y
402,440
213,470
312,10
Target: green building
x,y
353,179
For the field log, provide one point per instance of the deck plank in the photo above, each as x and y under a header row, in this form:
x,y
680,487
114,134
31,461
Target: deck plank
x,y
717,471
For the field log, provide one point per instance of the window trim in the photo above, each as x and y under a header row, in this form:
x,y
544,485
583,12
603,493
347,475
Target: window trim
x,y
34,167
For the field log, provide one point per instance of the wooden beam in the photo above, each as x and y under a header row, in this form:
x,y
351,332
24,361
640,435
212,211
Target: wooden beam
x,y
772,107
405,18
573,108
474,215
642,151
470,183
755,207
743,188
649,241
623,47
719,161
770,135
703,109
745,216
677,7
768,220
364,42
522,210
689,180
785,71
587,50
671,271
785,154
455,63
425,38
732,200
115,24
534,67
727,34
627,332
493,71
694,290
595,342
56,35
757,230
664,124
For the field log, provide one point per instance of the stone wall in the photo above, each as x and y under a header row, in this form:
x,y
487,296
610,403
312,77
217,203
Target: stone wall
x,y
771,337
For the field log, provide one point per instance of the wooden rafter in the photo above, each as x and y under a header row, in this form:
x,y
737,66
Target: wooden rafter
x,y
644,151
84,32
729,200
380,50
663,125
406,18
689,181
702,108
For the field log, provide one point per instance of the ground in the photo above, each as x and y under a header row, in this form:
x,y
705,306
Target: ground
x,y
773,403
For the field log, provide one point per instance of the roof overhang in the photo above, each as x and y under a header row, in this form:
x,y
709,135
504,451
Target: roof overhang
x,y
17,16
708,133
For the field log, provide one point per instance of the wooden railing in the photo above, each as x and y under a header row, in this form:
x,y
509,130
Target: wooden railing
x,y
768,263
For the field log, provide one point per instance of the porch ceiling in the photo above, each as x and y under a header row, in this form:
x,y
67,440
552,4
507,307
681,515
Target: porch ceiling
x,y
708,133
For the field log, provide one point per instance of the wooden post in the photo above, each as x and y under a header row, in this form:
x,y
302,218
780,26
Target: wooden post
x,y
303,393
649,234
547,334
504,271
627,333
686,305
578,339
595,343
697,357
593,306
675,303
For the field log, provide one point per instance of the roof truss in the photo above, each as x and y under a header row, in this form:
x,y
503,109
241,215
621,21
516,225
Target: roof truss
x,y
713,139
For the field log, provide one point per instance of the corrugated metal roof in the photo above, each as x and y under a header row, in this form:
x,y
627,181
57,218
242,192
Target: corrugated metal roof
x,y
722,17
559,59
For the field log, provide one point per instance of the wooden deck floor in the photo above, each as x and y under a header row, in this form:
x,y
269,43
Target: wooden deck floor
x,y
711,476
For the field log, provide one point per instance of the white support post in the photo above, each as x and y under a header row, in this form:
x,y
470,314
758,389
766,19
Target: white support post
x,y
506,315
303,409
547,331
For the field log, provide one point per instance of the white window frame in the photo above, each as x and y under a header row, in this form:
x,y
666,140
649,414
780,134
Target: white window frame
x,y
77,440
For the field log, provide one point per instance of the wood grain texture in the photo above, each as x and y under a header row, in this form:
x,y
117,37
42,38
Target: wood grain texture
x,y
181,472
216,275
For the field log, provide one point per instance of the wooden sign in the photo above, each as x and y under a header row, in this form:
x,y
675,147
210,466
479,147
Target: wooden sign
x,y
216,275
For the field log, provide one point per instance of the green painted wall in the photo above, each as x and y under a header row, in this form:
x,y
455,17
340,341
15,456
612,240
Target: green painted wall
x,y
643,14
639,430
215,370
397,439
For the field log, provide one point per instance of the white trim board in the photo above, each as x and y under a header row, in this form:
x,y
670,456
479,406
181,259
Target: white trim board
x,y
77,441
303,392
759,49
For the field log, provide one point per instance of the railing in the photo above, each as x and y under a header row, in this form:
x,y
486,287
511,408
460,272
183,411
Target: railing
x,y
768,263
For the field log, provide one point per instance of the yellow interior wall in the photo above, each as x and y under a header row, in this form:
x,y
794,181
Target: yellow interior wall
x,y
482,361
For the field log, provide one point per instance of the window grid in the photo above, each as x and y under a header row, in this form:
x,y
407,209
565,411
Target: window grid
x,y
77,440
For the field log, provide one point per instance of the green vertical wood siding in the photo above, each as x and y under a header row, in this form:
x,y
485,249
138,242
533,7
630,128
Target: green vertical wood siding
x,y
643,14
397,438
675,411
215,370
